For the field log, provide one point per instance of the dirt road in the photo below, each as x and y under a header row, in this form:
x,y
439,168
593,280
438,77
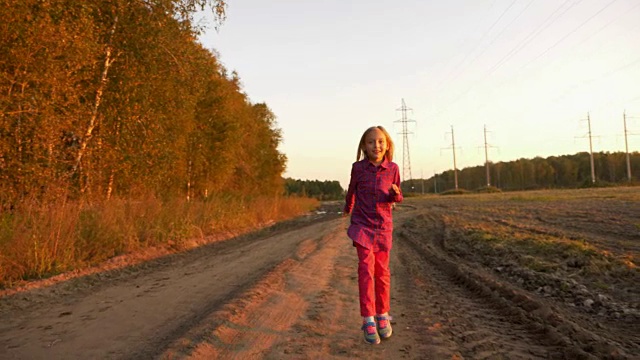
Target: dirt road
x,y
291,293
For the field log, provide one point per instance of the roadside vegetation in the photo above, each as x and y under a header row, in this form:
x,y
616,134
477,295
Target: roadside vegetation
x,y
120,132
42,240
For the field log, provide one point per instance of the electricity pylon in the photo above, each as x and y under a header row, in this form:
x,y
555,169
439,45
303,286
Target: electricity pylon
x,y
406,158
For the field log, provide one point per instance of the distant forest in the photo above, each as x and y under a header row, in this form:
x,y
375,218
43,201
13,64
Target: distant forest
x,y
566,171
321,190
112,97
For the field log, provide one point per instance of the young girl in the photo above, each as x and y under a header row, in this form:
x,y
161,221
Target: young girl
x,y
373,188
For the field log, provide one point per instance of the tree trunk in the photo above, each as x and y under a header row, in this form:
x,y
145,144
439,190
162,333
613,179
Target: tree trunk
x,y
189,181
103,84
110,184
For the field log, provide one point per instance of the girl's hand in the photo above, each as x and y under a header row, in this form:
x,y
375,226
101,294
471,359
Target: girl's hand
x,y
394,188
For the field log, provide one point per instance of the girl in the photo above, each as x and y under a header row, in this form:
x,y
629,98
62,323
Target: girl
x,y
373,188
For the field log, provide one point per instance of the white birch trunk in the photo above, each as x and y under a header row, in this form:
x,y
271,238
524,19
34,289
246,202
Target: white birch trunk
x,y
110,184
189,181
94,113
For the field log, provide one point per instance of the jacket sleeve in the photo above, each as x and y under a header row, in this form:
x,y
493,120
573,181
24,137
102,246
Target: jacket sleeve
x,y
397,197
350,199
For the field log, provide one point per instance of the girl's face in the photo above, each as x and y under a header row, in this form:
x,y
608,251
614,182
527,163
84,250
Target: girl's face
x,y
375,145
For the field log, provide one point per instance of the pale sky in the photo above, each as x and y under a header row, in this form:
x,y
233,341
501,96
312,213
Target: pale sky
x,y
530,70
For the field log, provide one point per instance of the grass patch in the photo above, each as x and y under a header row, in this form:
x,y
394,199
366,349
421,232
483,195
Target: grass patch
x,y
525,198
617,193
545,253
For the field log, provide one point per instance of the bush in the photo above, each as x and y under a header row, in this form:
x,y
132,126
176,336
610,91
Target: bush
x,y
488,189
456,192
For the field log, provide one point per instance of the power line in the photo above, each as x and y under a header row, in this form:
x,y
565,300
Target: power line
x,y
482,39
535,33
447,78
626,12
532,35
501,32
594,79
572,31
597,78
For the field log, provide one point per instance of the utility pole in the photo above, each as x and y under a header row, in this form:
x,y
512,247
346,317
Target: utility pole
x,y
626,143
593,172
486,156
435,182
406,158
422,180
455,169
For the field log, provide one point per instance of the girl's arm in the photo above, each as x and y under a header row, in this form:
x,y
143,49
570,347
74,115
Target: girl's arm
x,y
394,192
350,199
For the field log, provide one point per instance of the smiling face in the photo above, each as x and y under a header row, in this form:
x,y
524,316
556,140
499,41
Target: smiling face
x,y
375,145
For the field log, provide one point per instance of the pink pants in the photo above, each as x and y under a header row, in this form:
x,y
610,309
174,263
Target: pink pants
x,y
374,281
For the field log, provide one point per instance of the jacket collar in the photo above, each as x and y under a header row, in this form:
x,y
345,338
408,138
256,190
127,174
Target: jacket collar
x,y
384,164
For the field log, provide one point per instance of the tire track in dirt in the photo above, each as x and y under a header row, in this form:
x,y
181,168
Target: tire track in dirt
x,y
268,318
137,315
538,327
306,308
573,282
251,323
458,317
330,328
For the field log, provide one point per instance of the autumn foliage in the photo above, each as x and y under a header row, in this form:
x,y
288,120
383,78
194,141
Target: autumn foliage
x,y
108,105
109,98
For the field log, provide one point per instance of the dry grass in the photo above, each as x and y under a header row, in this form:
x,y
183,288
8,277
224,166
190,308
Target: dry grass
x,y
542,253
518,238
585,232
38,241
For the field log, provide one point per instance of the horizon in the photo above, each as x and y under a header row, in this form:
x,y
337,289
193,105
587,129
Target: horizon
x,y
528,72
483,164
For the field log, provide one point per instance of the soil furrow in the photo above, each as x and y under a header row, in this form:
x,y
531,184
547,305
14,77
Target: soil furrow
x,y
480,327
545,324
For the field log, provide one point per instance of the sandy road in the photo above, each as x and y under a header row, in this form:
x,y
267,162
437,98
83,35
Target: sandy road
x,y
286,295
138,313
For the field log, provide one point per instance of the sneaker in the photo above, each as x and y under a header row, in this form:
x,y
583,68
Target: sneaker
x,y
384,326
370,333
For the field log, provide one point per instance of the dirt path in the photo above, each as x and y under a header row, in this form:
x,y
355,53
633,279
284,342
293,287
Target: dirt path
x,y
292,295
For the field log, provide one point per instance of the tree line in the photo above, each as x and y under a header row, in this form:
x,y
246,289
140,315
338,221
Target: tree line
x,y
566,171
321,190
117,97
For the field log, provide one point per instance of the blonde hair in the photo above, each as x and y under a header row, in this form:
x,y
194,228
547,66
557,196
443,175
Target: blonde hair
x,y
361,146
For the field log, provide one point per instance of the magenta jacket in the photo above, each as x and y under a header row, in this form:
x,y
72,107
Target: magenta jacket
x,y
369,202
